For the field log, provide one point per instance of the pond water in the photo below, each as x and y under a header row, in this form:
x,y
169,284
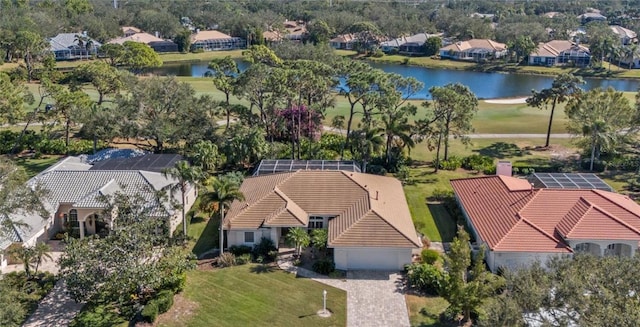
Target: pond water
x,y
484,85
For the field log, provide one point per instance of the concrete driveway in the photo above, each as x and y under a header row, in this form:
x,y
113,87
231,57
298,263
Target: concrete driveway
x,y
375,298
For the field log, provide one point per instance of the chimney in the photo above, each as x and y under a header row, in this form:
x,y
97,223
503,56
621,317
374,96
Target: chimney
x,y
376,195
503,168
157,34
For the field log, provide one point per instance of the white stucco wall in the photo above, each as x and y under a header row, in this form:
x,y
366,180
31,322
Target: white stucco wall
x,y
236,237
369,258
513,260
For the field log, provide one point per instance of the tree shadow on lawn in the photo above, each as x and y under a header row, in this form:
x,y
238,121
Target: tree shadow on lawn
x,y
262,268
209,237
501,150
444,223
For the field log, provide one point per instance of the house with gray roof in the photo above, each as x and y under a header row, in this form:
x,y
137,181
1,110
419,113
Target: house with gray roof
x,y
76,191
72,46
411,45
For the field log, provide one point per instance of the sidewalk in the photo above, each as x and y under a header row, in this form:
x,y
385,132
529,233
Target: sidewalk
x,y
55,309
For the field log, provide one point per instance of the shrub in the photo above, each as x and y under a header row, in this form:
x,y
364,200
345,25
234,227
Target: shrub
x,y
441,194
164,301
324,266
175,282
97,316
239,250
263,248
378,54
425,278
227,259
429,256
150,312
243,259
477,162
452,163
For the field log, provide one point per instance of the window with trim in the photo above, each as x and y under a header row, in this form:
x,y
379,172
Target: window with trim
x,y
316,222
248,237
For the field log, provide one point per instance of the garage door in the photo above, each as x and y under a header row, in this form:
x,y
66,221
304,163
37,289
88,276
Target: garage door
x,y
372,259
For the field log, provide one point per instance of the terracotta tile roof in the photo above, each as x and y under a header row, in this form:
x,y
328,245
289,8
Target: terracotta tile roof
x,y
475,43
344,38
208,35
126,29
369,210
556,47
508,215
623,32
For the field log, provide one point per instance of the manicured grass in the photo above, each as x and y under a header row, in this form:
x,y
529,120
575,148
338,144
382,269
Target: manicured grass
x,y
255,295
202,56
34,166
431,218
425,311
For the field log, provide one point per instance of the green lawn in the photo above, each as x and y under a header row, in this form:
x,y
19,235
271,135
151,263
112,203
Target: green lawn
x,y
251,295
424,311
34,166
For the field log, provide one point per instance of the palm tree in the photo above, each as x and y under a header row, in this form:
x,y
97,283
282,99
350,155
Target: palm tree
x,y
600,138
319,238
368,142
40,252
186,175
396,126
206,156
25,255
225,191
299,238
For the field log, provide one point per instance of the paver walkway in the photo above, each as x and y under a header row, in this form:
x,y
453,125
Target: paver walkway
x,y
374,298
56,309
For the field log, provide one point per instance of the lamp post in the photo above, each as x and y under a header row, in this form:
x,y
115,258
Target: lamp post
x,y
324,301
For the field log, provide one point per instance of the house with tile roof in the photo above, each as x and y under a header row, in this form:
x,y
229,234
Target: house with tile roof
x,y
409,45
344,42
560,52
367,217
130,30
76,187
215,41
153,41
72,46
474,50
519,223
625,35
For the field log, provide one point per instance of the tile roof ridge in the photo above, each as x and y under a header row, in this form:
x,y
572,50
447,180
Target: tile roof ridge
x,y
247,205
602,193
393,226
613,217
562,220
524,220
290,205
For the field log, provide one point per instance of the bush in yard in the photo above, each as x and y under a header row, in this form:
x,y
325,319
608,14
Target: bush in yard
x,y
239,250
452,164
227,259
150,312
164,299
441,194
324,266
429,256
264,248
243,259
477,162
97,315
425,278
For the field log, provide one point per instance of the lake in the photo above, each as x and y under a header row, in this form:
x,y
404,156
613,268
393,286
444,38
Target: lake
x,y
484,85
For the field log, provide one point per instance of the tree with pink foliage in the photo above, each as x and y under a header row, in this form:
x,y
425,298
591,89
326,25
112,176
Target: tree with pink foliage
x,y
299,121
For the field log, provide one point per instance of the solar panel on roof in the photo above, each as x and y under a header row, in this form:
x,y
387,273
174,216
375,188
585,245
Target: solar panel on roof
x,y
569,180
271,166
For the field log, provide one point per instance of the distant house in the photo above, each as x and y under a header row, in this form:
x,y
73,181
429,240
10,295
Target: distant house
x,y
474,50
72,46
343,42
130,30
560,52
553,14
215,41
156,43
592,17
480,15
293,31
410,45
518,223
367,218
626,35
